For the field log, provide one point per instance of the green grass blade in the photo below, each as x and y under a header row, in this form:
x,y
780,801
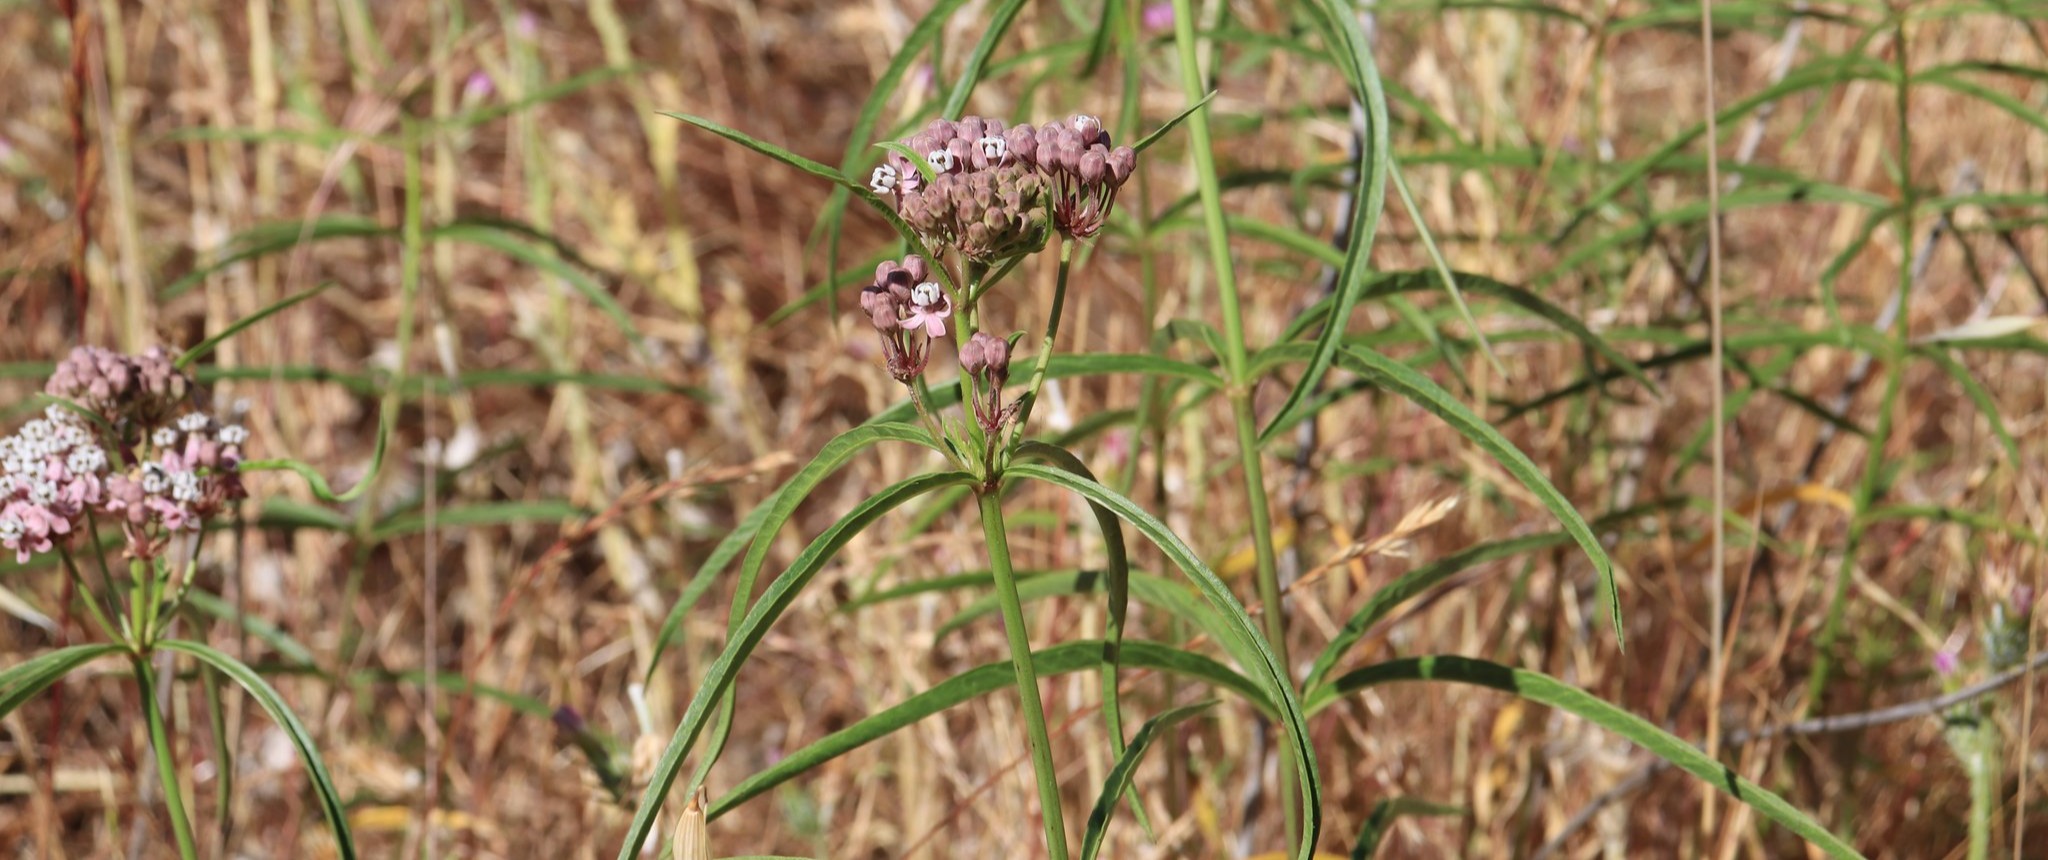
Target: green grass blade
x,y
972,684
1977,394
1245,639
1545,690
719,677
998,26
1382,817
1443,269
1119,779
208,345
266,239
513,245
273,704
1401,379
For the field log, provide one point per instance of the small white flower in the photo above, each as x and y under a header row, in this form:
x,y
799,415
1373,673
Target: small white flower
x,y
86,460
941,159
193,422
185,486
1086,124
925,295
154,479
993,148
12,529
42,493
884,180
164,437
234,434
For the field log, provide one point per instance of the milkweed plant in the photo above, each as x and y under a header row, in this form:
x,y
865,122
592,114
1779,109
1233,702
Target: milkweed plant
x,y
125,479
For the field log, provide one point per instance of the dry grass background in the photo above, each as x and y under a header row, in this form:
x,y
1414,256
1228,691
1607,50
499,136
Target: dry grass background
x,y
701,241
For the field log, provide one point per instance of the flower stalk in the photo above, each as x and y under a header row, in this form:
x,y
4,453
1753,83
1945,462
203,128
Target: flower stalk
x,y
1027,676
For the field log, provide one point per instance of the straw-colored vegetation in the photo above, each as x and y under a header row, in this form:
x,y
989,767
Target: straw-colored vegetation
x,y
582,503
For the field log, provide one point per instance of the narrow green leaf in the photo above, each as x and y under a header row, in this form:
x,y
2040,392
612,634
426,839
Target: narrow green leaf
x,y
513,245
718,678
1160,132
972,684
1404,381
273,704
208,345
722,554
22,681
1245,643
1545,690
1119,780
919,160
1354,53
1382,817
998,26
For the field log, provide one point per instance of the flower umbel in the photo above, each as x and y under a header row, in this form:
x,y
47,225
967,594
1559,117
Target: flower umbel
x,y
983,198
1083,170
908,311
132,460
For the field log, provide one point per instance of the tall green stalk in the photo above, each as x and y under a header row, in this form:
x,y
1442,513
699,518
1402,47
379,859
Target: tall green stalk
x,y
1895,366
1052,331
1235,364
1027,676
166,765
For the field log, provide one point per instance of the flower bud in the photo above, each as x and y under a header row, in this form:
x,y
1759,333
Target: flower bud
x,y
986,357
940,131
915,267
1022,143
970,128
1094,166
1122,160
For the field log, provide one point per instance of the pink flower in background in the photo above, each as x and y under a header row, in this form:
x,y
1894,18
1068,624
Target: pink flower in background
x,y
478,87
1158,17
1946,661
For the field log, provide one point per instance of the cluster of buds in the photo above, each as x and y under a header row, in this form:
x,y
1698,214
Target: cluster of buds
x,y
145,390
986,358
1083,170
983,197
908,310
121,454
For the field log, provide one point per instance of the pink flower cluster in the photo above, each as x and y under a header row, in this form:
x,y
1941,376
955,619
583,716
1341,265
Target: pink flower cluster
x,y
50,473
191,476
134,463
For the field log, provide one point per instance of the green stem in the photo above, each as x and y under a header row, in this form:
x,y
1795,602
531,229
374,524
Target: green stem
x,y
166,766
1027,676
1241,381
92,601
1052,331
1873,460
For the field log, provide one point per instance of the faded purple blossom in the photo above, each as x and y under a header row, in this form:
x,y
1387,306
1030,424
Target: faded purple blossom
x,y
1158,17
1946,661
478,87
